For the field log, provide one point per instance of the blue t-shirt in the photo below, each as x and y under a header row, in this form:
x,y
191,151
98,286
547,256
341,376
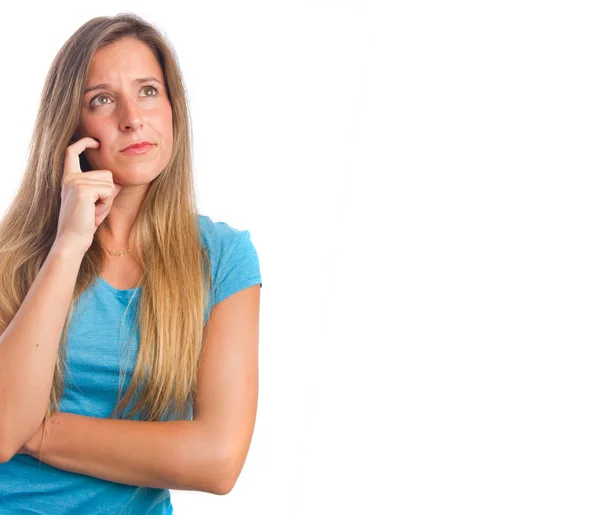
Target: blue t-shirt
x,y
95,341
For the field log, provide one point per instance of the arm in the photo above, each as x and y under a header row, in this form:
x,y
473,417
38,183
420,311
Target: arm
x,y
206,453
29,348
132,452
227,388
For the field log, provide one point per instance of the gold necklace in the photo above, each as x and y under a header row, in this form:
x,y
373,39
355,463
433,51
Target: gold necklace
x,y
116,252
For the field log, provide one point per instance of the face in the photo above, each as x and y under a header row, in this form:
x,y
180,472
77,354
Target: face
x,y
125,111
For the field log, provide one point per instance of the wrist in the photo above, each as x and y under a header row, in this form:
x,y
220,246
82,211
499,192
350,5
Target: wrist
x,y
66,252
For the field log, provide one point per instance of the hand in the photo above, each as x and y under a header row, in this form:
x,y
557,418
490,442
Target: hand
x,y
86,198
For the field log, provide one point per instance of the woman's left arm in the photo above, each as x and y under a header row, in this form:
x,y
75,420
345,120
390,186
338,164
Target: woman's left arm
x,y
205,454
132,452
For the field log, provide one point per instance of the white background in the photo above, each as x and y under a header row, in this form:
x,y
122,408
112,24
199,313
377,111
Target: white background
x,y
420,180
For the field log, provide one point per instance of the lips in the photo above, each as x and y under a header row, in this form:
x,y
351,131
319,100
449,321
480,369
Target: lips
x,y
139,144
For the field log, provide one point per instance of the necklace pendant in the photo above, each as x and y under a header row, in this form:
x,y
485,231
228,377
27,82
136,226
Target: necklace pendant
x,y
118,253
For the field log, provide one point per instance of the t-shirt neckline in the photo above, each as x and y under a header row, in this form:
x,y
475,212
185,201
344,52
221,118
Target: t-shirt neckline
x,y
115,291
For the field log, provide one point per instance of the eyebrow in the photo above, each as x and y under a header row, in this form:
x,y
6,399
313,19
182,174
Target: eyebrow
x,y
105,85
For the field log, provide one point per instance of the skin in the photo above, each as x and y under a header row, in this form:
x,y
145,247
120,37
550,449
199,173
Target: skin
x,y
126,112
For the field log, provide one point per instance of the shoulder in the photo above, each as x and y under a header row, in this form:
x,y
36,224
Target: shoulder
x,y
233,257
221,239
216,233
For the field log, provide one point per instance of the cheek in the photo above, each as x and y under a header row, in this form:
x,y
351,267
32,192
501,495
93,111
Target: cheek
x,y
167,122
168,130
97,132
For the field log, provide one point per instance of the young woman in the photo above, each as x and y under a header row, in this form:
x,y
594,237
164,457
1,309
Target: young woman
x,y
129,322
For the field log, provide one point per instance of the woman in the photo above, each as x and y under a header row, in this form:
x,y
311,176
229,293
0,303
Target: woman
x,y
106,266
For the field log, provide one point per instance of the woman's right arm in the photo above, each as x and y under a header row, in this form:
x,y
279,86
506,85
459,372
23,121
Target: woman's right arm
x,y
29,349
29,345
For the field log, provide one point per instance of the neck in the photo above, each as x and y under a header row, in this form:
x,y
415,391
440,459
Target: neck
x,y
114,252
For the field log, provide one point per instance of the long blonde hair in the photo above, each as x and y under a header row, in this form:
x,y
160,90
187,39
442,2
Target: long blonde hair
x,y
165,236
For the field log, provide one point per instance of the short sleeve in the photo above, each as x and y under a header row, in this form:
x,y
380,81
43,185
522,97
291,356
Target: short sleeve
x,y
239,268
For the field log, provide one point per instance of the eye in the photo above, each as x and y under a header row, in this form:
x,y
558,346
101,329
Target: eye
x,y
152,87
103,95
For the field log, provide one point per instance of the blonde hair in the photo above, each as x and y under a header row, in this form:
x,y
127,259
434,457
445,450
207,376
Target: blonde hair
x,y
164,239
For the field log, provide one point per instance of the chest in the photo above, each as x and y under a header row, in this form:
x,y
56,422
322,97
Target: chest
x,y
123,274
102,351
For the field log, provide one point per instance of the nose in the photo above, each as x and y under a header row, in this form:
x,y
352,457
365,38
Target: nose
x,y
130,118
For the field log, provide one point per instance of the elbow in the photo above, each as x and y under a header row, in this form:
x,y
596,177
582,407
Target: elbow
x,y
223,485
222,489
215,476
6,452
227,478
5,457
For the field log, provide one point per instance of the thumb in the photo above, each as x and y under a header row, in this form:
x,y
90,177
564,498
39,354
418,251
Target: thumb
x,y
118,188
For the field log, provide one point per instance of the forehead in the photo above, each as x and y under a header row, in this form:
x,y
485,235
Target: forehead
x,y
129,56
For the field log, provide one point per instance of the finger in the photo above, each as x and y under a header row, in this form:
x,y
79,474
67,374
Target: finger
x,y
102,212
72,165
105,195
